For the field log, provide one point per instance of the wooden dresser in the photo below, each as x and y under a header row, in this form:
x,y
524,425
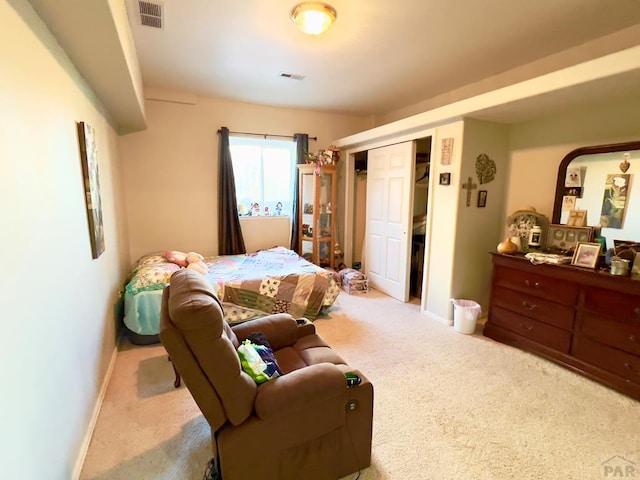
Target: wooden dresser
x,y
586,320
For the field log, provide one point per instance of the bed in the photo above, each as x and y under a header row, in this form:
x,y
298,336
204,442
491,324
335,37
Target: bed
x,y
249,285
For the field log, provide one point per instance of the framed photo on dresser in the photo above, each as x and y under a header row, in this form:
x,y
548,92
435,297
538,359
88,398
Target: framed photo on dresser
x,y
563,238
586,255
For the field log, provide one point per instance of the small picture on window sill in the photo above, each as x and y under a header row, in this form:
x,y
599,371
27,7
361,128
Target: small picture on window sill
x,y
445,178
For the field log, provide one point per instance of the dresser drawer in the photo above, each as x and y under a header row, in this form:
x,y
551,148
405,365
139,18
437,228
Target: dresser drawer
x,y
613,304
539,332
610,359
537,308
536,285
616,334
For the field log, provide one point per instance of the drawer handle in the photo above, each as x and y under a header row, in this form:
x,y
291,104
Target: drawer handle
x,y
630,367
529,306
537,285
528,328
637,311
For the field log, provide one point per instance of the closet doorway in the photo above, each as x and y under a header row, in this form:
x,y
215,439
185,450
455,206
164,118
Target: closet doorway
x,y
419,220
390,214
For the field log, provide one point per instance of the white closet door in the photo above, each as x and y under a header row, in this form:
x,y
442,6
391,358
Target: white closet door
x,y
390,174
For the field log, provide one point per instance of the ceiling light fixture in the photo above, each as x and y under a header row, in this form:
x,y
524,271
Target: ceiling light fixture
x,y
313,18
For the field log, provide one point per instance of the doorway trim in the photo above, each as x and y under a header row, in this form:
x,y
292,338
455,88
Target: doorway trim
x,y
349,195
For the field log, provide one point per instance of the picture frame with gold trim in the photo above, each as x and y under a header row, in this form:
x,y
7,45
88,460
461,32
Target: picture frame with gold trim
x,y
564,238
586,255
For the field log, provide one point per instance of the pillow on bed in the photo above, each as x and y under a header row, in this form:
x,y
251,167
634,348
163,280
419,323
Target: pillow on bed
x,y
151,259
177,257
151,277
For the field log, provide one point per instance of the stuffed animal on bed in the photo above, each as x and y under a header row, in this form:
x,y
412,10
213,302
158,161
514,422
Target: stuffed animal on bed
x,y
177,257
195,261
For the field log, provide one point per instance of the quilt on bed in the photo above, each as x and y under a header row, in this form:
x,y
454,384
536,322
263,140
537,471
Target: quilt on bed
x,y
273,281
249,285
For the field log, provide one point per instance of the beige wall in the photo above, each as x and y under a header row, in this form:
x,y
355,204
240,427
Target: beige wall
x,y
527,156
460,236
260,233
171,169
478,229
538,147
441,226
58,318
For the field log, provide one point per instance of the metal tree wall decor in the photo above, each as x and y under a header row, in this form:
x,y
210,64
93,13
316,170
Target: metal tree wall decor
x,y
485,168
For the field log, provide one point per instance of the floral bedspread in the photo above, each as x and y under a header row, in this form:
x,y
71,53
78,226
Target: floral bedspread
x,y
249,285
273,281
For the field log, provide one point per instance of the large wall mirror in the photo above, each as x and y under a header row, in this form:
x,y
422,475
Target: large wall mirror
x,y
604,180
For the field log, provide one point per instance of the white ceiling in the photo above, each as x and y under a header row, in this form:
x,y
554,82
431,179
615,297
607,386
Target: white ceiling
x,y
380,56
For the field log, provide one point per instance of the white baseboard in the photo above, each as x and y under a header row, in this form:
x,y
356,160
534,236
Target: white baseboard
x,y
437,318
84,447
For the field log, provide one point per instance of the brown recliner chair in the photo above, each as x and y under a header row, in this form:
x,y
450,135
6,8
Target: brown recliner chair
x,y
306,424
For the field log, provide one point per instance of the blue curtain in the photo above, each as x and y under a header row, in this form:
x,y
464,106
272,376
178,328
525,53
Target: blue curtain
x,y
302,148
230,241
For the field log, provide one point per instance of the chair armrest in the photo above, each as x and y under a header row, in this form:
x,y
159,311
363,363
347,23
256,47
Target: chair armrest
x,y
300,389
281,329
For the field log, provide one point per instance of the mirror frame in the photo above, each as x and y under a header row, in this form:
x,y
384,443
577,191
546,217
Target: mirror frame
x,y
562,169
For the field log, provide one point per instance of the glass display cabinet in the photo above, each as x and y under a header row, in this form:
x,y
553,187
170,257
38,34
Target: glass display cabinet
x,y
316,213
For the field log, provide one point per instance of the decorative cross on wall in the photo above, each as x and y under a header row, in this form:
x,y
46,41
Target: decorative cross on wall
x,y
469,186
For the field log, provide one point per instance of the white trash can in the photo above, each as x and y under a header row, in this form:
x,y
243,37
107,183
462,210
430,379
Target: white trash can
x,y
465,315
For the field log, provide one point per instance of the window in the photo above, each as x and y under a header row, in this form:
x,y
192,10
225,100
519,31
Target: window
x,y
263,174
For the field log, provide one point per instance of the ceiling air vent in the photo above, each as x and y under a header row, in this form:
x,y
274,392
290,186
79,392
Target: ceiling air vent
x,y
292,76
150,14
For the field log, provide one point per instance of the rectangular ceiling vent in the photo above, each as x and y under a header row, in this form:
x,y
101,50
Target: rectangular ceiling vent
x,y
150,14
292,76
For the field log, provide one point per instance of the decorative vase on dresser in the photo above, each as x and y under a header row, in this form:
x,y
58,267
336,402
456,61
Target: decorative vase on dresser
x,y
507,246
586,320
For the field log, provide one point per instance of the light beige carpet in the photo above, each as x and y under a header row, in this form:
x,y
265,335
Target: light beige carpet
x,y
447,406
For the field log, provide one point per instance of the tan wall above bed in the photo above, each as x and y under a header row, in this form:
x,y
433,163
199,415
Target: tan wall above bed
x,y
171,169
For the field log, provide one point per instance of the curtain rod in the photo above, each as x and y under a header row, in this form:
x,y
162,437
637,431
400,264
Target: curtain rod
x,y
265,135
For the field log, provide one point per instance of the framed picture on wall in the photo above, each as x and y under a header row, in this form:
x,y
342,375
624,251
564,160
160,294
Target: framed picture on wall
x,y
445,178
89,160
482,198
446,151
